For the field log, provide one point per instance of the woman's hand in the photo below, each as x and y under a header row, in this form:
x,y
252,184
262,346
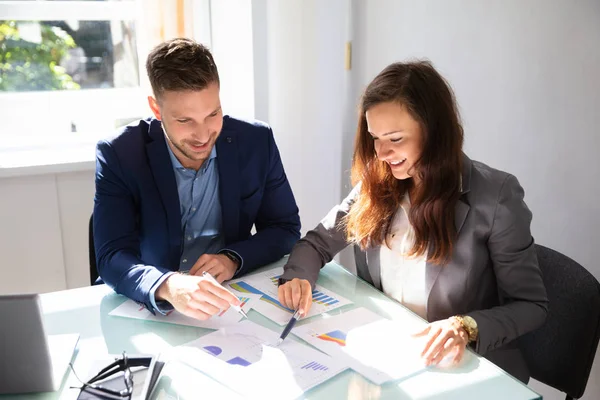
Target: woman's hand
x,y
444,337
296,295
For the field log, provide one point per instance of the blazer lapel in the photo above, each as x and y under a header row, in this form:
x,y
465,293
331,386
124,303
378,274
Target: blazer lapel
x,y
160,164
229,183
374,265
461,211
462,207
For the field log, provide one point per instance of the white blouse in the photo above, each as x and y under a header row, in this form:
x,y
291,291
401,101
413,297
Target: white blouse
x,y
403,277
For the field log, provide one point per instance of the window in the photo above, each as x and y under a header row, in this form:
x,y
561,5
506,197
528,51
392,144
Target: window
x,y
76,72
73,71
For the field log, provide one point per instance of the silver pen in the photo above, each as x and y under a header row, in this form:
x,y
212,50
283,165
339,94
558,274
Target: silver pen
x,y
212,278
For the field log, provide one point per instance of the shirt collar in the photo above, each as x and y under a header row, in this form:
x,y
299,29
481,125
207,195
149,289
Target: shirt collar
x,y
177,164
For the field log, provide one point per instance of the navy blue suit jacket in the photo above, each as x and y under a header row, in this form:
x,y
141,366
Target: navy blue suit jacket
x,y
137,218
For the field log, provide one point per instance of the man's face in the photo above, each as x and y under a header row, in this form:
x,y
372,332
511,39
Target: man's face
x,y
192,121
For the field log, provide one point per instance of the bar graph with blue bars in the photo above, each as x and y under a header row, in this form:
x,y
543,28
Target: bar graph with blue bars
x,y
322,298
315,366
318,297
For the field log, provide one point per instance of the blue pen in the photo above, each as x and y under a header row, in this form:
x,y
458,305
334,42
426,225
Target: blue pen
x,y
289,327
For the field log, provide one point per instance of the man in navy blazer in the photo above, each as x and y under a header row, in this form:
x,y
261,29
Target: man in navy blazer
x,y
180,192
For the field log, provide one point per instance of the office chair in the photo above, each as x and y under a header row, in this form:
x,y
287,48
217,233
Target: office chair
x,y
561,353
92,253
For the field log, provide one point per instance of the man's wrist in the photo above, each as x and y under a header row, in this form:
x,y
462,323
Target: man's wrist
x,y
163,291
232,256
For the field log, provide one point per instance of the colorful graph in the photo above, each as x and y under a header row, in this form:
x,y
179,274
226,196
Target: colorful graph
x,y
214,350
318,297
243,287
244,300
239,361
336,336
322,298
315,366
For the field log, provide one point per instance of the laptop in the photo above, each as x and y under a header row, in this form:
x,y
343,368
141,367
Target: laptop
x,y
30,361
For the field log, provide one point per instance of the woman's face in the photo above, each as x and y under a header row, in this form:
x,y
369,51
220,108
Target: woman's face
x,y
397,137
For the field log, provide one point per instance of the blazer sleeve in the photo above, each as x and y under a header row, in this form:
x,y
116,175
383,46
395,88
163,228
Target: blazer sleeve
x,y
519,278
116,237
321,244
277,222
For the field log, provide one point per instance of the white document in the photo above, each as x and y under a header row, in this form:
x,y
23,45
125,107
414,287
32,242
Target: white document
x,y
131,309
178,380
244,359
377,348
265,284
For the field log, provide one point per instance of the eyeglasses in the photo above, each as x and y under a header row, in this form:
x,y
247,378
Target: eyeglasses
x,y
120,364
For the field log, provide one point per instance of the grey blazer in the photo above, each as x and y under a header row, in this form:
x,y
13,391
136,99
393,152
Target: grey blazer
x,y
493,275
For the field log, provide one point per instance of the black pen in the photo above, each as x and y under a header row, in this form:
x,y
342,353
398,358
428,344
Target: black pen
x,y
289,327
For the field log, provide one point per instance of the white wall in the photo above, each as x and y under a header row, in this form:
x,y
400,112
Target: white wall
x,y
231,27
300,51
526,77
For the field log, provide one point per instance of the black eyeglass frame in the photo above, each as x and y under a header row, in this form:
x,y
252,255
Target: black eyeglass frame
x,y
124,364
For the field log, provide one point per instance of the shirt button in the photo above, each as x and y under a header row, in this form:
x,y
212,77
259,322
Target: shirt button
x,y
184,260
189,238
193,208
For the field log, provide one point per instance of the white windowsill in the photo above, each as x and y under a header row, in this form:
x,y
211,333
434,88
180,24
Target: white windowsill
x,y
49,159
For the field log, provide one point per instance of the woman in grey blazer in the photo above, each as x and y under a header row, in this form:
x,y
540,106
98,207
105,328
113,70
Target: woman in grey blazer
x,y
446,236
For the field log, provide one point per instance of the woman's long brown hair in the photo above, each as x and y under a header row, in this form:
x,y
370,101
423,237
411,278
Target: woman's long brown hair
x,y
430,101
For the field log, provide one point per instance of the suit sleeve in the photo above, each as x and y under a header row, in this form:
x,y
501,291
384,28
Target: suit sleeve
x,y
116,236
277,222
321,244
519,278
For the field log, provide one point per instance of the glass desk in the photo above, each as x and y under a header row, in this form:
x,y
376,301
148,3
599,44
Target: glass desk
x,y
85,311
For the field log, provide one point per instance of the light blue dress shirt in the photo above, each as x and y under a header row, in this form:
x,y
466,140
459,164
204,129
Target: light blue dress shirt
x,y
201,220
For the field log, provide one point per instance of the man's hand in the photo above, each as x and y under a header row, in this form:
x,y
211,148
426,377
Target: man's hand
x,y
221,267
296,295
195,296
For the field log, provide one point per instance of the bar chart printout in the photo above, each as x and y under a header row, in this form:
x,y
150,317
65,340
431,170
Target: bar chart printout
x,y
243,358
131,309
365,341
266,284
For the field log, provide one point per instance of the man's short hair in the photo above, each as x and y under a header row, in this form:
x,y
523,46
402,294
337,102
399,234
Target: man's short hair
x,y
180,65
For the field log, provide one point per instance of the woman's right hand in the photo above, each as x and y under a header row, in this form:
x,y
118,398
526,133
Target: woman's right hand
x,y
296,295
